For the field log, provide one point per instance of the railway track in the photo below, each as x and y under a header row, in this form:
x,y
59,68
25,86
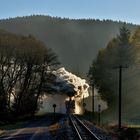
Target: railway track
x,y
81,130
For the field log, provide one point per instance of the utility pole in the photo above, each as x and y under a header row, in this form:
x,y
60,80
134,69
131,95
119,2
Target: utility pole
x,y
99,114
92,96
120,95
84,104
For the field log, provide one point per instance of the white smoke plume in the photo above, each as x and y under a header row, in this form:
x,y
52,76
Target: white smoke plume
x,y
71,83
68,85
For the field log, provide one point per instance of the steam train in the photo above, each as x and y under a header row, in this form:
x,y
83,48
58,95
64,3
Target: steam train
x,y
70,106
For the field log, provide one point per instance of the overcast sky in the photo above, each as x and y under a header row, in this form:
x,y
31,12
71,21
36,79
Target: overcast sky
x,y
124,10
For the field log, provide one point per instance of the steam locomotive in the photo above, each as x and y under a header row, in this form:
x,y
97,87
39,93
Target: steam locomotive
x,y
70,106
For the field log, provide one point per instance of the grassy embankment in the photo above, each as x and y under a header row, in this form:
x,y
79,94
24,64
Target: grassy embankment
x,y
129,132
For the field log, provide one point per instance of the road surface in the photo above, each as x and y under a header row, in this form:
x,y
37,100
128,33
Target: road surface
x,y
35,130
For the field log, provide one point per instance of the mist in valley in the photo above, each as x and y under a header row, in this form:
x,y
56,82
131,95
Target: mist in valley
x,y
77,42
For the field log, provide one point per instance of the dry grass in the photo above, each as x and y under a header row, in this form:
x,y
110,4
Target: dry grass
x,y
1,132
59,130
54,128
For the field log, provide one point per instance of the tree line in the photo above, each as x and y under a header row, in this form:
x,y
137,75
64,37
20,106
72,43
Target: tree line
x,y
68,38
124,50
25,73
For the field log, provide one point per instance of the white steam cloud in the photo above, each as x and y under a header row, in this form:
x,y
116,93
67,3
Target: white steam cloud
x,y
68,85
71,83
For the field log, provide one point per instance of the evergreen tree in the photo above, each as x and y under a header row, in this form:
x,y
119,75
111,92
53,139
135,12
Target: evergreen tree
x,y
119,51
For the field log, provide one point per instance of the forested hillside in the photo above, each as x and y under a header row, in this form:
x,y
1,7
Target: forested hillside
x,y
76,42
121,56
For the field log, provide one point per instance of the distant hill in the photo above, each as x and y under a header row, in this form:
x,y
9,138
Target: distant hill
x,y
76,42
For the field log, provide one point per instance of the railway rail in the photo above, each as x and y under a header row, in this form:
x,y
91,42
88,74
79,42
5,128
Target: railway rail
x,y
81,130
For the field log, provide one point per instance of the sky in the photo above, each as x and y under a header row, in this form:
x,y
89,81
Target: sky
x,y
124,10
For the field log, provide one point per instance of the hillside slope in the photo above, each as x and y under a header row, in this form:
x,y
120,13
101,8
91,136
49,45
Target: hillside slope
x,y
76,42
